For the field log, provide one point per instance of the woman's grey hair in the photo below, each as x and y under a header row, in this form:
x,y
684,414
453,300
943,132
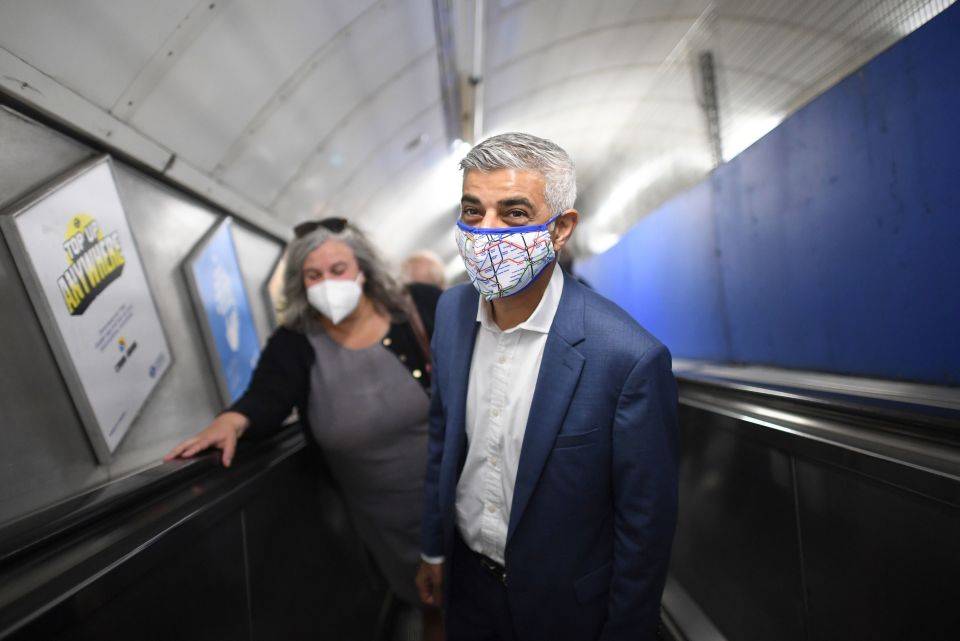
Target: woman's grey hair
x,y
379,285
523,151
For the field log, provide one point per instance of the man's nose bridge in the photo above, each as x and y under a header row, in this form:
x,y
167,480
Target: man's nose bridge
x,y
491,217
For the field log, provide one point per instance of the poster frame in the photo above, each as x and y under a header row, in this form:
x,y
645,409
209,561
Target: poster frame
x,y
199,309
45,315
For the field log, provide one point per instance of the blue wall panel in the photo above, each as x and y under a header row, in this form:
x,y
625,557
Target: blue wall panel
x,y
838,233
671,257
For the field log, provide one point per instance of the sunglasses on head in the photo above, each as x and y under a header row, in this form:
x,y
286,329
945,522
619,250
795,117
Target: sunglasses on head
x,y
336,225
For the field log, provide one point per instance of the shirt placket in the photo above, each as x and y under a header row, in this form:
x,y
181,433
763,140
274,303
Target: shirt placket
x,y
494,517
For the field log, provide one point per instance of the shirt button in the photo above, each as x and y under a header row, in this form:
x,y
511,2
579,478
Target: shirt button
x,y
387,342
491,508
495,413
492,460
502,360
403,358
417,373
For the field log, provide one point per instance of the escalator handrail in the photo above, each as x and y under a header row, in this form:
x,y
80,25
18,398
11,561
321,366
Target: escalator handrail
x,y
903,415
893,443
23,536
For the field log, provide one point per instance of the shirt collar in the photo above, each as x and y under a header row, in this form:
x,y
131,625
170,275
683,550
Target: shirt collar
x,y
542,317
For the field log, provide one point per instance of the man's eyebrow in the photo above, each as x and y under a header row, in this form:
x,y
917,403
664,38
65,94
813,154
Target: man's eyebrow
x,y
506,202
513,202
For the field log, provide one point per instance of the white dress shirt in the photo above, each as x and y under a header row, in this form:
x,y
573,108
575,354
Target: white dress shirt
x,y
503,375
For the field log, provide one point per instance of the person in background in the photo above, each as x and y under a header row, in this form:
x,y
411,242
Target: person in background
x,y
551,491
352,356
423,267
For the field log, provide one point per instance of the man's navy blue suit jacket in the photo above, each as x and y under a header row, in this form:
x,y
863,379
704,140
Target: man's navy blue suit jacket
x,y
595,502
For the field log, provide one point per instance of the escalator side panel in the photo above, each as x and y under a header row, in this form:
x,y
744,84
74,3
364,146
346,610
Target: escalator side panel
x,y
187,585
881,562
308,571
736,550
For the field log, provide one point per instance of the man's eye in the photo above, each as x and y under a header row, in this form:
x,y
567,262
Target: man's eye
x,y
517,213
469,212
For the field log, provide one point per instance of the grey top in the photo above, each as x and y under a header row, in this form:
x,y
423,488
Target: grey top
x,y
369,416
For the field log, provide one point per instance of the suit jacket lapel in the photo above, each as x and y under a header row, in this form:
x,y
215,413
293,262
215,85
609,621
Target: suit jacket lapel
x,y
461,358
559,372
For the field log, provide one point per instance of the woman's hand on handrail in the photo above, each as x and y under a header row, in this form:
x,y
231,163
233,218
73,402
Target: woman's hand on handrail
x,y
222,433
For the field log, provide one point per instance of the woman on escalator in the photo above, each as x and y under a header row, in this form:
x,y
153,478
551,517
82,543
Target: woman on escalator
x,y
352,357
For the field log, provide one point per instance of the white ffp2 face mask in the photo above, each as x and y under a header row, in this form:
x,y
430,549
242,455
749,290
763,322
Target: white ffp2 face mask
x,y
335,299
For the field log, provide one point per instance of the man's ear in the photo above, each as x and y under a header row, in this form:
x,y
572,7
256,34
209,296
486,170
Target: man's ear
x,y
563,228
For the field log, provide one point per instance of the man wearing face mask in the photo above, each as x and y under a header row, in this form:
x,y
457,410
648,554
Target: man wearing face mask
x,y
551,489
352,356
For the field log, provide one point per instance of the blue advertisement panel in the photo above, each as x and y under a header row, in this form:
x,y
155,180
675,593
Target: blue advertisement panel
x,y
220,298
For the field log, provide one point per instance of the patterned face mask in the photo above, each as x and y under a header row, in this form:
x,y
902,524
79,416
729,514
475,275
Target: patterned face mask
x,y
504,261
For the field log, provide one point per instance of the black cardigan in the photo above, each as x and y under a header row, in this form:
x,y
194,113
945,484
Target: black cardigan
x,y
281,380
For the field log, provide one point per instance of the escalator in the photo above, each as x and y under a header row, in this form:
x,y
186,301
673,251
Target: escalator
x,y
263,550
815,507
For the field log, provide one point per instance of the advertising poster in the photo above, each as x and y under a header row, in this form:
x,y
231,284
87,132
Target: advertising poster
x,y
220,299
78,259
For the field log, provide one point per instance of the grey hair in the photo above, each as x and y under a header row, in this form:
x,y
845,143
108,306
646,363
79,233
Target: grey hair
x,y
379,286
523,151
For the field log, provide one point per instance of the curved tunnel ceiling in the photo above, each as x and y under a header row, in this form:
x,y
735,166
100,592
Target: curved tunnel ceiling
x,y
303,108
